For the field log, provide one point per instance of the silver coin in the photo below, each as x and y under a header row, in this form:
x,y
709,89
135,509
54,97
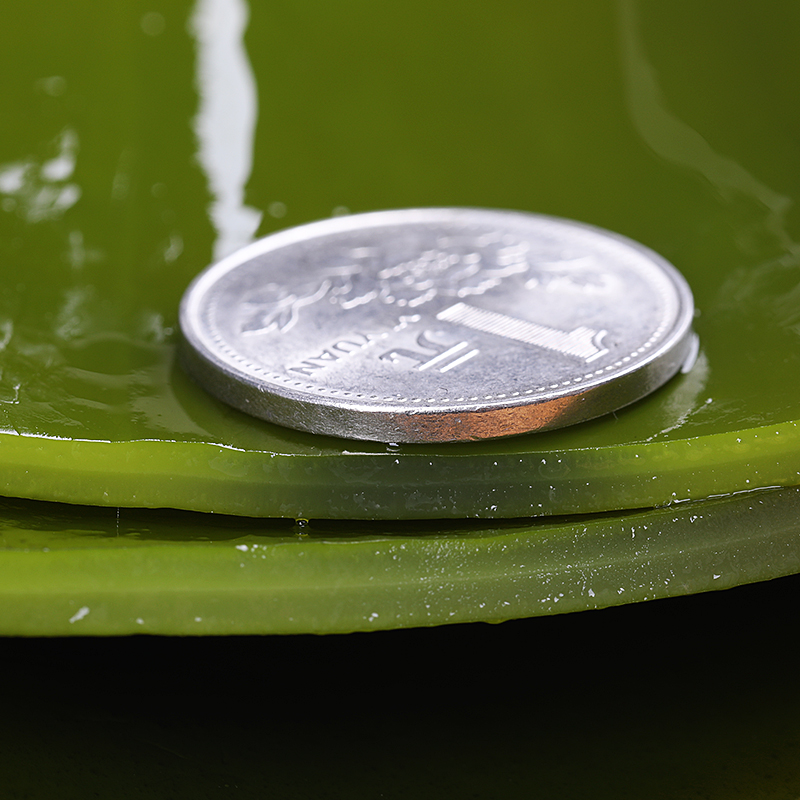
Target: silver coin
x,y
435,325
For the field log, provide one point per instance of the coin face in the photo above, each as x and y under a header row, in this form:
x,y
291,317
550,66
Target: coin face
x,y
433,325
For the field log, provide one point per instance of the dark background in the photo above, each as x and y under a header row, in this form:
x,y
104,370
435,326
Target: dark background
x,y
693,697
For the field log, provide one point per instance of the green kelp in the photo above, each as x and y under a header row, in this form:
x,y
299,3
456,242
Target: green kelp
x,y
137,147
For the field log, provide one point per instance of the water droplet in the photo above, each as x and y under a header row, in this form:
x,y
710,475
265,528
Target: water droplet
x,y
153,23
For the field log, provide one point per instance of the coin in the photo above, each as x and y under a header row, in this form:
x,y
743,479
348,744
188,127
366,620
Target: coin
x,y
435,325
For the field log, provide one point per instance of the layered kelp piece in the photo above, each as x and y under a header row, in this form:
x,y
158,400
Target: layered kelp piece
x,y
67,570
446,483
135,148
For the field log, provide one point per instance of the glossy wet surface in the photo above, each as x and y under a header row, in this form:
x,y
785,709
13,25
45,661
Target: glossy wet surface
x,y
131,155
95,571
137,146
